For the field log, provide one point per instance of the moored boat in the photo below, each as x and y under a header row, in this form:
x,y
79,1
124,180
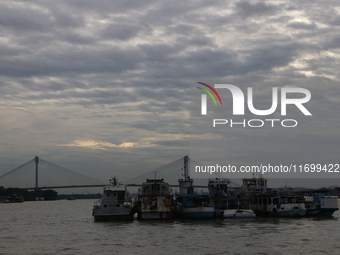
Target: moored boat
x,y
238,213
155,200
188,204
321,205
228,204
266,202
287,209
194,206
115,203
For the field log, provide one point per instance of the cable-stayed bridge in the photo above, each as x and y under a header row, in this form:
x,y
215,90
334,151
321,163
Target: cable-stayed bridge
x,y
41,174
171,173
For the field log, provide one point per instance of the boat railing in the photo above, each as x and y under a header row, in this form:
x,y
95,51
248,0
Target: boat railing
x,y
219,180
178,193
97,203
155,193
121,201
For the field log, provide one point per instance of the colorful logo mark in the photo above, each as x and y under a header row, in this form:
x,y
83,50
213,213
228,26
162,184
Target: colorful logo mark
x,y
208,92
204,97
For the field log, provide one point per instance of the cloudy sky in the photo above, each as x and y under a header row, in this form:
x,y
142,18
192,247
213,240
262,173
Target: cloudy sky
x,y
103,87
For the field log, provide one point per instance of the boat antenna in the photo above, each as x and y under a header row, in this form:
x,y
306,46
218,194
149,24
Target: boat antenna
x,y
155,174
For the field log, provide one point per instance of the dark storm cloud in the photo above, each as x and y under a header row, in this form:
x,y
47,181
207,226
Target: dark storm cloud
x,y
245,9
204,63
271,56
21,18
122,32
172,143
335,21
68,60
302,25
332,42
78,39
104,7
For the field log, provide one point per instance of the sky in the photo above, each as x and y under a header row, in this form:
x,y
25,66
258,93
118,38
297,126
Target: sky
x,y
103,87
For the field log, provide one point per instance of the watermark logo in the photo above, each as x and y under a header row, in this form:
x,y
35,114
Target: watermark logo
x,y
204,97
239,102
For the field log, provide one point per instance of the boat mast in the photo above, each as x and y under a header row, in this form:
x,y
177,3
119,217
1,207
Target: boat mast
x,y
186,183
186,168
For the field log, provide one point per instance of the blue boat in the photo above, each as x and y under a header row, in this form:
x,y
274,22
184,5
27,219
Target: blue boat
x,y
194,206
188,204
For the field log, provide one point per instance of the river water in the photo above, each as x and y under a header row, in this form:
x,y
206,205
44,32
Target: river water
x,y
67,227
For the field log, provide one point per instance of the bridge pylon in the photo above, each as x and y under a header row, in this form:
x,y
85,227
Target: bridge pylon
x,y
36,172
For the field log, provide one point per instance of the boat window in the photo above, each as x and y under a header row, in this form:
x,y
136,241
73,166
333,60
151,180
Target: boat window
x,y
121,195
107,194
155,187
105,205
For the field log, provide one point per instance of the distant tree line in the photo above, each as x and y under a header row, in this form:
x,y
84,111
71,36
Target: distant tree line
x,y
81,196
12,193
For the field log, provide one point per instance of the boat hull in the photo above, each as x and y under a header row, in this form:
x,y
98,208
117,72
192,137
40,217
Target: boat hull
x,y
112,217
197,213
235,213
321,212
155,208
322,206
155,215
112,214
290,213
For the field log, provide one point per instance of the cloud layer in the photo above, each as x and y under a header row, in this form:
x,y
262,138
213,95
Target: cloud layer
x,y
111,80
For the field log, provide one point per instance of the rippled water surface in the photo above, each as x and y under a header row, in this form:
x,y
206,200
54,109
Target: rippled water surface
x,y
67,227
